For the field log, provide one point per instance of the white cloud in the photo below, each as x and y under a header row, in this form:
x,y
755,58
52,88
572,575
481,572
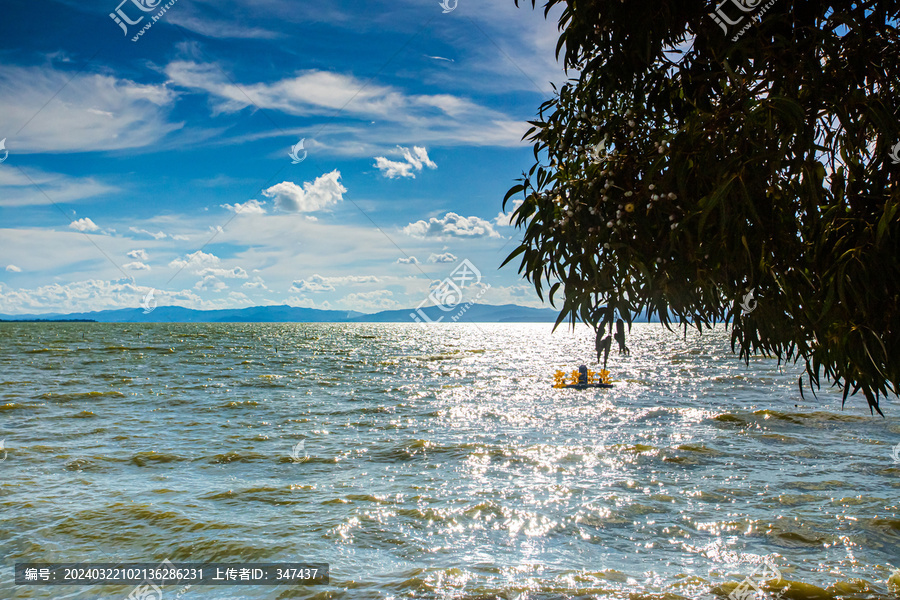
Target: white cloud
x,y
139,255
136,266
256,284
13,269
446,257
233,273
211,27
250,207
318,283
310,92
211,284
453,225
207,266
413,162
324,192
412,260
370,301
506,219
313,285
84,225
88,112
354,279
308,303
522,295
96,294
393,169
18,188
442,119
156,236
196,261
88,295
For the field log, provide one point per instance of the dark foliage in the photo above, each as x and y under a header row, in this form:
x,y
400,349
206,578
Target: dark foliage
x,y
683,168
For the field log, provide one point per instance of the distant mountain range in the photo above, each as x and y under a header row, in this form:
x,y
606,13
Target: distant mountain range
x,y
476,313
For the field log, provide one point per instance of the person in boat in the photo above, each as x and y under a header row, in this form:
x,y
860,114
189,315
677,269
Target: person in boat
x,y
583,375
620,337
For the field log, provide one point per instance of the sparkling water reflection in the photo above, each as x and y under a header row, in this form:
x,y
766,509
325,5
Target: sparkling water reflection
x,y
437,462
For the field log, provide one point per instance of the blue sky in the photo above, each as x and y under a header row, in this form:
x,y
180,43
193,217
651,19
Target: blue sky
x,y
163,163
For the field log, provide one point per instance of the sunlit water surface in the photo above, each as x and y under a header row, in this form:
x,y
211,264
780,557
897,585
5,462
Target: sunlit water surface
x,y
437,463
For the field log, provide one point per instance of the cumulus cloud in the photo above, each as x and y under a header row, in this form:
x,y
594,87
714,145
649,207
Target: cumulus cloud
x,y
452,225
250,207
138,255
446,257
325,191
207,265
314,284
13,269
412,260
412,163
88,295
210,283
505,219
196,261
233,273
376,300
96,294
84,225
318,283
136,266
256,284
308,303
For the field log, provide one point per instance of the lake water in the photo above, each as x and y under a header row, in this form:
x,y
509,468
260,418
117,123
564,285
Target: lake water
x,y
437,463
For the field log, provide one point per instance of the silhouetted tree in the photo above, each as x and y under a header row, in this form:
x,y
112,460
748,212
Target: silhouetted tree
x,y
708,156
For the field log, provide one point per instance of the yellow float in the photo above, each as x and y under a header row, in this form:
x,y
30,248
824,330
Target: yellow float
x,y
582,378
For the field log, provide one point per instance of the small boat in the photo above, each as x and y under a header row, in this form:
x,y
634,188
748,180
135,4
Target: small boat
x,y
582,379
584,386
